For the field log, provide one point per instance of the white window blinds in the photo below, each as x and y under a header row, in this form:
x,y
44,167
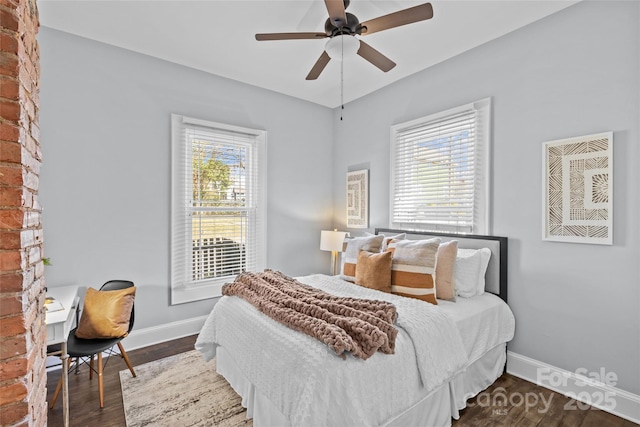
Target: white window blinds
x,y
439,171
218,206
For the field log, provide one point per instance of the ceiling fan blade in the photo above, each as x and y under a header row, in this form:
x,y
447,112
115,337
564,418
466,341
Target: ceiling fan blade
x,y
375,57
337,14
290,36
397,19
319,66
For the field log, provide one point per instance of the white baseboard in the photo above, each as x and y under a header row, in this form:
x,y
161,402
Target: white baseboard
x,y
145,337
580,386
158,334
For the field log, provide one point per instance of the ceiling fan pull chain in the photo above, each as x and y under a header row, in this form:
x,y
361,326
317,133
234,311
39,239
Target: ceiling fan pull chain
x,y
341,77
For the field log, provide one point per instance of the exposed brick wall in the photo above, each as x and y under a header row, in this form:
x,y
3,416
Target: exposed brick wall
x,y
22,329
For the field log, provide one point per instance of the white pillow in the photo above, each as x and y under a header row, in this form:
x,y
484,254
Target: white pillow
x,y
352,247
485,256
387,238
471,265
465,273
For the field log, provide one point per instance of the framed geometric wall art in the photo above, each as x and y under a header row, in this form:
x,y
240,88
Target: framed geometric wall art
x,y
358,199
578,189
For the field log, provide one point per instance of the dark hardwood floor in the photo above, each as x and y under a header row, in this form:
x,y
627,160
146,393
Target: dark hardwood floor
x,y
84,406
544,408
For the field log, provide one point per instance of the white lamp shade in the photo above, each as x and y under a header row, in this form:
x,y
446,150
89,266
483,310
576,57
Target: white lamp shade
x,y
335,46
332,240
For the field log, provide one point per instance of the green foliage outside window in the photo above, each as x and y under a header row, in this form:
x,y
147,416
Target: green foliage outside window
x,y
211,177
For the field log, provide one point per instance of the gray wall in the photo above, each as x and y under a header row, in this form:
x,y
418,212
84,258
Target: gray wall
x,y
573,73
105,183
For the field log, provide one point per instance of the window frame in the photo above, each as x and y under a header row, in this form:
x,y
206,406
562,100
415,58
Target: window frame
x,y
183,289
482,168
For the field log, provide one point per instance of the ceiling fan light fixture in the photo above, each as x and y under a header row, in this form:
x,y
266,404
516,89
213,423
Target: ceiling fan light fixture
x,y
335,46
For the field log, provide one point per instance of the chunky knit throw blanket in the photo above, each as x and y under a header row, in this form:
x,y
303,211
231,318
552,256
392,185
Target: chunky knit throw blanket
x,y
359,326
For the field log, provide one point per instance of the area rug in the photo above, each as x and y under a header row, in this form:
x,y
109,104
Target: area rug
x,y
181,390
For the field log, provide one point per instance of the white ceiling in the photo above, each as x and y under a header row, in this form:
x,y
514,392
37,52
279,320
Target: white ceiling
x,y
218,37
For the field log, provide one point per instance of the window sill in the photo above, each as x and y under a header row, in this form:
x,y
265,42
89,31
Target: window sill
x,y
185,294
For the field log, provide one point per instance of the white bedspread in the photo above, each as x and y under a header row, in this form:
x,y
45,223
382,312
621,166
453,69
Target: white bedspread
x,y
484,322
304,378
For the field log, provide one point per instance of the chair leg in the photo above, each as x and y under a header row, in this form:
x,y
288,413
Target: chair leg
x,y
56,393
126,359
91,367
100,389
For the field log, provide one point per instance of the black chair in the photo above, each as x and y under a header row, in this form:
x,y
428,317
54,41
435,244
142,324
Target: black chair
x,y
81,349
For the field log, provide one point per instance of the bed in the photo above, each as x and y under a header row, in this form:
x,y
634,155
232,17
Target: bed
x,y
286,378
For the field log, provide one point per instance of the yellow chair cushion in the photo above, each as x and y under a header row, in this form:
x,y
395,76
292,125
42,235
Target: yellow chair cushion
x,y
106,314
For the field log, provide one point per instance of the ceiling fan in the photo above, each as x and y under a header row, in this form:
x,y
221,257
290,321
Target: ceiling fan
x,y
342,23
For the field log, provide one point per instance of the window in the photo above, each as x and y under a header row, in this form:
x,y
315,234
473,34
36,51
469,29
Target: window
x,y
218,206
440,171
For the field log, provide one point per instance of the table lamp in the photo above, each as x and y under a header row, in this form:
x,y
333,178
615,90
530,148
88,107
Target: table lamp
x,y
332,241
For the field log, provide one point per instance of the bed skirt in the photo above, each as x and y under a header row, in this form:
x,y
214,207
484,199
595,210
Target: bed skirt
x,y
435,409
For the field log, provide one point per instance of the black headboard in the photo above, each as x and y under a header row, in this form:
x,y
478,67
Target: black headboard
x,y
496,275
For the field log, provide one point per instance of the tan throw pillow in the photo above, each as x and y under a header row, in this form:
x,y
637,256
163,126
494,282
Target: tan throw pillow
x,y
352,248
391,244
413,268
106,314
373,270
445,263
